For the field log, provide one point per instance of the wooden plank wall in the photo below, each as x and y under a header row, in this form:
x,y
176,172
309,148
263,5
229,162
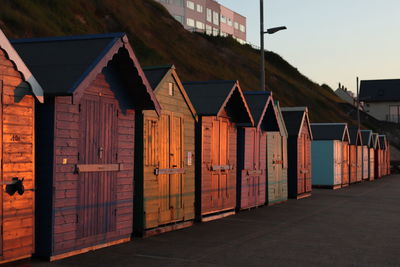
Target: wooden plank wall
x,y
346,171
66,236
353,163
170,106
371,169
211,200
17,111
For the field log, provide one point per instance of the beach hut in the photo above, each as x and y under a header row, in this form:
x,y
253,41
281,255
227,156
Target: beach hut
x,y
378,156
18,90
164,168
93,84
277,161
383,154
368,154
356,159
299,151
252,150
221,108
327,154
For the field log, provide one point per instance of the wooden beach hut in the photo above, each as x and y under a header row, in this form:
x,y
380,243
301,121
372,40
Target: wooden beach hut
x,y
252,150
356,159
378,155
277,161
18,90
164,166
93,84
327,154
221,108
368,154
299,151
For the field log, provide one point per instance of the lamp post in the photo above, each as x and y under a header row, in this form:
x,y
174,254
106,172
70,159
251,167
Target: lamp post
x,y
262,32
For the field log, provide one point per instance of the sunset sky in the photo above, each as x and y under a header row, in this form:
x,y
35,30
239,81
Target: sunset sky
x,y
330,41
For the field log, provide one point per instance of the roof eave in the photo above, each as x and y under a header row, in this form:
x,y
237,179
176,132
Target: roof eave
x,y
21,67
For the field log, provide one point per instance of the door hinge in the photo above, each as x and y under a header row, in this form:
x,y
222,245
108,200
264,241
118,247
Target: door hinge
x,y
79,107
77,218
78,156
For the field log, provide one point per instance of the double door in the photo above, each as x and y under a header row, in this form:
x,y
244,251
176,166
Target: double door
x,y
97,165
304,164
338,159
276,183
171,168
254,172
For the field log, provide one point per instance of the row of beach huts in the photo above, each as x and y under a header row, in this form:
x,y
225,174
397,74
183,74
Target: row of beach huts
x,y
96,149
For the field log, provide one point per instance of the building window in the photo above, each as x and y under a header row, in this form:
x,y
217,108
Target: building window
x,y
200,25
190,22
236,25
209,15
215,18
171,89
199,8
242,28
177,2
190,5
229,22
394,113
208,29
165,1
223,19
215,31
179,18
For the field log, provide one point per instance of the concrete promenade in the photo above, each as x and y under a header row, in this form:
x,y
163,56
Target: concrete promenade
x,y
355,226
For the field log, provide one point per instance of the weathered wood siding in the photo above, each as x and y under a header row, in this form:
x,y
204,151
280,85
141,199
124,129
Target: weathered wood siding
x,y
365,162
168,143
17,155
252,171
378,160
353,164
359,161
218,148
346,163
371,165
67,184
276,168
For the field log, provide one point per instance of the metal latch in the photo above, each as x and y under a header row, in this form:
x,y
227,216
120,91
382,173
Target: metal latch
x,y
16,185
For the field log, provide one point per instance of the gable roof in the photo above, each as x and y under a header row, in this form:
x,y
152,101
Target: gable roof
x,y
295,117
156,75
70,63
375,140
355,136
367,138
330,131
380,90
281,121
262,109
382,141
21,66
211,98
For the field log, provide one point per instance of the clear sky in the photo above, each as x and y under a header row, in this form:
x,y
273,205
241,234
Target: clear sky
x,y
330,41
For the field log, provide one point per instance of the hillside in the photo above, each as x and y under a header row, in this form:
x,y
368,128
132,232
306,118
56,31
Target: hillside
x,y
158,39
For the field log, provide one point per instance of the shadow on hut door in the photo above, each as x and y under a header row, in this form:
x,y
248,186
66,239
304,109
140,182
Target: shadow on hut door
x,y
97,210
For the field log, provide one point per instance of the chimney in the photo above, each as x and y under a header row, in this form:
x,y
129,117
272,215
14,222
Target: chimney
x,y
339,86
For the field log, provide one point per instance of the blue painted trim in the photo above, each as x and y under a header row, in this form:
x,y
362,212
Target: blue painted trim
x,y
211,82
267,93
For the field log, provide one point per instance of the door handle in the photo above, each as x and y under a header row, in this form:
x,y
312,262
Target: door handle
x,y
101,149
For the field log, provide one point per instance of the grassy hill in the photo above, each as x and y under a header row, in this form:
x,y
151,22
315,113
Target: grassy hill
x,y
158,39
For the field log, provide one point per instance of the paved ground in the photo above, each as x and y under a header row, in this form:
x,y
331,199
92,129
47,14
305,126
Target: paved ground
x,y
356,226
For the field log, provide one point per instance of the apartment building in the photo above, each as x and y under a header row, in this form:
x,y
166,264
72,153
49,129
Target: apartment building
x,y
207,16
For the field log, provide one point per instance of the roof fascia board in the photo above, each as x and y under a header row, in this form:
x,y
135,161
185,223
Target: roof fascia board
x,y
21,67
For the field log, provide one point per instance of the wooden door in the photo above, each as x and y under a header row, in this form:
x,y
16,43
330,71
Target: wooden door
x,y
345,167
1,167
371,171
219,184
176,163
300,165
247,180
307,164
170,138
98,119
278,164
338,163
353,163
359,163
365,162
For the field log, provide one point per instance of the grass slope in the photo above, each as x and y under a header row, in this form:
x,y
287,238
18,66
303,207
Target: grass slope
x,y
158,39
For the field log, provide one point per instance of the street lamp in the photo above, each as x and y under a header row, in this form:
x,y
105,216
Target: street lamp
x,y
262,32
